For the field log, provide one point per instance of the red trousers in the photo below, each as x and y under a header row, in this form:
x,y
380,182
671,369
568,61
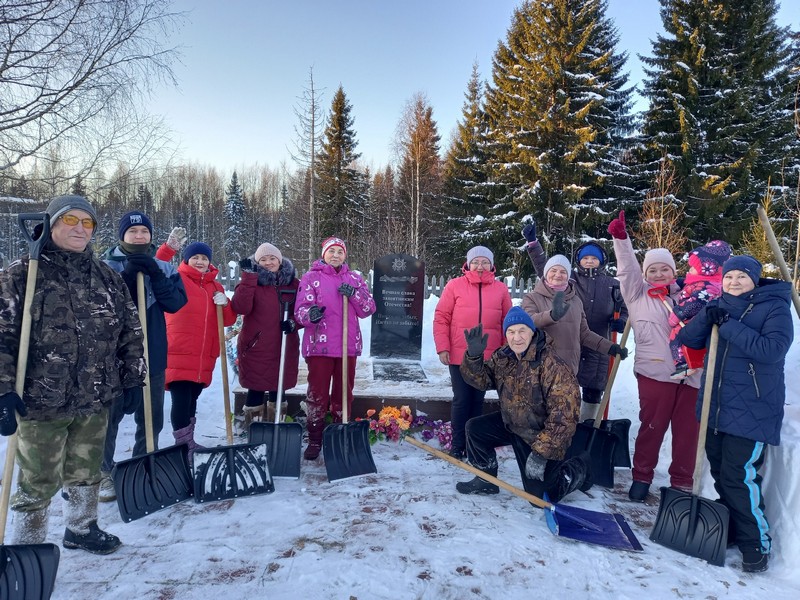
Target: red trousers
x,y
322,370
662,405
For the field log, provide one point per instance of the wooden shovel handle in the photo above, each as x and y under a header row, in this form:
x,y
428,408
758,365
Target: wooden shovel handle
x,y
223,357
344,358
776,251
148,405
601,410
708,390
485,476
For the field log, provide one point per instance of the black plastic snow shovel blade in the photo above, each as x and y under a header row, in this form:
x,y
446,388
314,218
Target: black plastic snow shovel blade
x,y
621,429
231,472
346,449
600,446
28,571
151,482
285,441
692,525
590,526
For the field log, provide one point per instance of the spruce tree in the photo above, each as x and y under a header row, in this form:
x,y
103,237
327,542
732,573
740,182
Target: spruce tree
x,y
234,241
556,111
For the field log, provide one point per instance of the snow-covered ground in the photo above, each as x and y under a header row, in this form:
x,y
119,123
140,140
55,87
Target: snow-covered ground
x,y
406,533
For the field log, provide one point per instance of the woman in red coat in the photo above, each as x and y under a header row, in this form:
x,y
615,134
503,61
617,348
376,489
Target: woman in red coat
x,y
267,289
193,339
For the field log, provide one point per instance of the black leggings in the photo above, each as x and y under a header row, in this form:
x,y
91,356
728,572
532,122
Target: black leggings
x,y
184,402
256,398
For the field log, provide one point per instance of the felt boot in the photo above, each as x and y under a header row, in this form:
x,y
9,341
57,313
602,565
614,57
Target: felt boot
x,y
30,527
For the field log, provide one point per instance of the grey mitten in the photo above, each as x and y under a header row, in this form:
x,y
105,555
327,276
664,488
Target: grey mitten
x,y
534,466
560,307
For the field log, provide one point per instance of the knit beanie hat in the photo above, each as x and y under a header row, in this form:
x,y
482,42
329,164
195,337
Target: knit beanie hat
x,y
591,249
333,241
557,260
63,204
659,255
745,263
133,219
196,248
708,260
267,249
517,316
477,251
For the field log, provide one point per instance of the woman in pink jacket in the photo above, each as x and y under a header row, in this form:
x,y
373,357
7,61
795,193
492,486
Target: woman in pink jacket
x,y
476,297
319,310
663,402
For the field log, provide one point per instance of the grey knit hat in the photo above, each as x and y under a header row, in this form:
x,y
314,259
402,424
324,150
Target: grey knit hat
x,y
62,204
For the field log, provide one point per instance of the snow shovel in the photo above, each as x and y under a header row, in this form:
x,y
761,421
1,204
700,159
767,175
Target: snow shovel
x,y
26,570
686,522
285,440
231,471
345,446
776,252
145,484
604,529
601,439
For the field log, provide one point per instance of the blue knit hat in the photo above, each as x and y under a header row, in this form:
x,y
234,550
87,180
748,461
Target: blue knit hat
x,y
196,248
591,250
517,316
133,219
744,263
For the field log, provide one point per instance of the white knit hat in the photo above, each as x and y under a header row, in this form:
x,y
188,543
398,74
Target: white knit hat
x,y
477,251
267,249
557,260
658,255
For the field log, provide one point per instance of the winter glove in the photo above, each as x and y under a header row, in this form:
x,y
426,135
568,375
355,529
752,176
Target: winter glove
x,y
716,315
617,325
529,232
220,299
10,405
346,290
534,466
315,313
132,399
288,326
617,350
560,307
246,265
617,227
142,263
176,238
476,341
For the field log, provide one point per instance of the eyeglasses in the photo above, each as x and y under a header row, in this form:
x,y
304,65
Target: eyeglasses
x,y
480,263
72,220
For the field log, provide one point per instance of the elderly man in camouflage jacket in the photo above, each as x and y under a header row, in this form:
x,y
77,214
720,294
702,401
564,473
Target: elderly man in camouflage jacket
x,y
85,348
539,407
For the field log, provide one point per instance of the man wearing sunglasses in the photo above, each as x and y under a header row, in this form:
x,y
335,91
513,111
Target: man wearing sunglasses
x,y
85,348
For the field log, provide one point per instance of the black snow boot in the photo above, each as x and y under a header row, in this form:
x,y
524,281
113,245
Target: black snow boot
x,y
95,541
478,485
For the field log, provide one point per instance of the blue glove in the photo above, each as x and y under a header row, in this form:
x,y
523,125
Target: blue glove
x,y
534,466
10,405
529,232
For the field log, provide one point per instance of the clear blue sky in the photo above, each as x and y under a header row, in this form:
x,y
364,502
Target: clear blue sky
x,y
245,64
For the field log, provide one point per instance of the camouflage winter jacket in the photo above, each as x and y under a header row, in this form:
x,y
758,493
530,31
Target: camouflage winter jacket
x,y
539,394
86,341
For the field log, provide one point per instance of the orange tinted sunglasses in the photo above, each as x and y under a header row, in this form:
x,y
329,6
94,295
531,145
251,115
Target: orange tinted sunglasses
x,y
72,220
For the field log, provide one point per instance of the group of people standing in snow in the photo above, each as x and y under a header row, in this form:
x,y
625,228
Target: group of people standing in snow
x,y
547,359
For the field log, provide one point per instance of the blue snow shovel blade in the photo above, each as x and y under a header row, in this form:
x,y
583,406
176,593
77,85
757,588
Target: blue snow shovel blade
x,y
346,449
592,527
28,572
285,441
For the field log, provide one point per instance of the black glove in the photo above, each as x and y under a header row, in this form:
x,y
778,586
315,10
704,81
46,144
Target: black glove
x,y
617,350
529,232
142,263
10,405
132,399
246,265
289,326
716,315
617,325
315,313
476,341
347,290
560,307
535,466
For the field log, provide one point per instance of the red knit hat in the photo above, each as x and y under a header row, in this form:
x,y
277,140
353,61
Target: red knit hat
x,y
333,241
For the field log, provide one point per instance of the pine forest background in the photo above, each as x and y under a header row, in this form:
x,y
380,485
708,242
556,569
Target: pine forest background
x,y
550,134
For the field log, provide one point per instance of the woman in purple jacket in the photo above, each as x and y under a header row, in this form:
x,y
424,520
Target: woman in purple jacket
x,y
319,310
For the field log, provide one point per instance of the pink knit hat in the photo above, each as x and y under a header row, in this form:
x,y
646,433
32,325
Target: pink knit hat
x,y
267,249
333,241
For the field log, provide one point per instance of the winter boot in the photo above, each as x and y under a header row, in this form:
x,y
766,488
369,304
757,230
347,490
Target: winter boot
x,y
251,414
270,418
107,491
588,411
30,527
573,474
82,531
754,562
639,491
314,447
478,485
185,435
